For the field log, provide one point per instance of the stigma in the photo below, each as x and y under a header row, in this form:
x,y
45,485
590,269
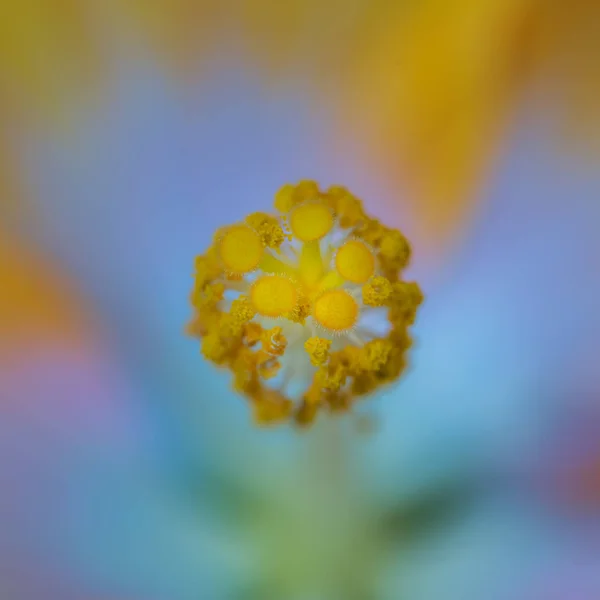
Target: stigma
x,y
306,307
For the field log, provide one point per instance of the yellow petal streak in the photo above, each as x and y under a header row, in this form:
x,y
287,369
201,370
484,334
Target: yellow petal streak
x,y
273,295
318,350
336,310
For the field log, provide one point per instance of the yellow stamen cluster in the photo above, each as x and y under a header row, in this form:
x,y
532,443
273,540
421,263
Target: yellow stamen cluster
x,y
274,342
301,311
377,292
318,350
392,247
208,268
269,283
268,229
242,309
347,207
404,301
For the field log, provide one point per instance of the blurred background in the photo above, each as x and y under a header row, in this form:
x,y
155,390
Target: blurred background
x,y
130,130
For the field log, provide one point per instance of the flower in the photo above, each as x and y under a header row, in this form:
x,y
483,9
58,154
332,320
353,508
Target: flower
x,y
307,308
141,522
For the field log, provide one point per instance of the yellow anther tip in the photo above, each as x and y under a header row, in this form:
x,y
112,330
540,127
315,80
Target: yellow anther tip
x,y
300,311
310,222
242,310
240,249
274,295
355,262
311,269
336,310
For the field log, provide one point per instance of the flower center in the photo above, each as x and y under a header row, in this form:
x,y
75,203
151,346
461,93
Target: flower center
x,y
355,262
240,249
336,310
273,295
310,222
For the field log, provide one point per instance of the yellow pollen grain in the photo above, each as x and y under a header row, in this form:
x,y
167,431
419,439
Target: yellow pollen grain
x,y
336,310
273,295
240,249
310,222
355,262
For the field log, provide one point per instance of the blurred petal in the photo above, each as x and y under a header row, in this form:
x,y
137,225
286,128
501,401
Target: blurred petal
x,y
53,368
429,89
37,305
439,83
48,55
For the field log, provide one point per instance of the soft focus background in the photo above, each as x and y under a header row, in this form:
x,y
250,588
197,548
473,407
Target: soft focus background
x,y
130,130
